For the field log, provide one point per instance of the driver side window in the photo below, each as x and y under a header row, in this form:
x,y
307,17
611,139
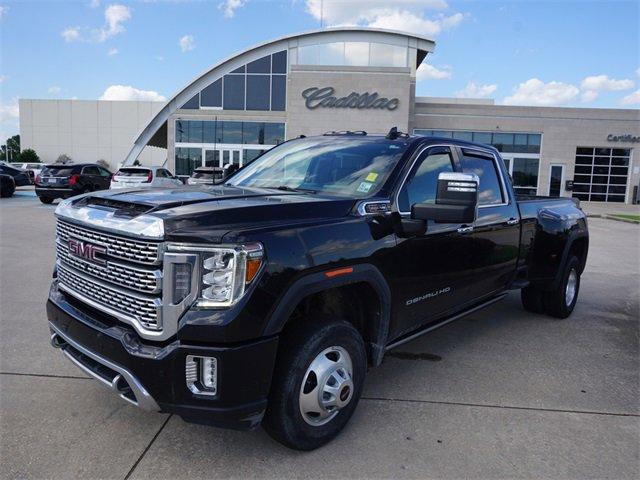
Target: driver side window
x,y
422,183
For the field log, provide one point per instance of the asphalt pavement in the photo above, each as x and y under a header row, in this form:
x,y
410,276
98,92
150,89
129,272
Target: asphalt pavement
x,y
501,393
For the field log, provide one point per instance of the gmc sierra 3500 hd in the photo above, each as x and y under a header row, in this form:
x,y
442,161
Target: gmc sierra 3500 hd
x,y
264,299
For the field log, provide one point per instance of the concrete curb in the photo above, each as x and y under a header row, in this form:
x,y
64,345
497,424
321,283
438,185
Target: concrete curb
x,y
611,217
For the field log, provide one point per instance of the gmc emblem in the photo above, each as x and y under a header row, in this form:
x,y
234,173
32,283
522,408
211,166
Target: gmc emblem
x,y
87,251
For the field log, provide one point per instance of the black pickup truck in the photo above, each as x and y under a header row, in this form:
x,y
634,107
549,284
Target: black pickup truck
x,y
263,300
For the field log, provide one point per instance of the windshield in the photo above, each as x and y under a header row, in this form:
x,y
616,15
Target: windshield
x,y
354,167
133,172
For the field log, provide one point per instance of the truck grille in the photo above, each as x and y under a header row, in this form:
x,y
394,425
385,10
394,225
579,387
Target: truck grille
x,y
128,285
117,247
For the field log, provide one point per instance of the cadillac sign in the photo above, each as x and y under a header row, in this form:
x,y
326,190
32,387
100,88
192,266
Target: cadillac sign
x,y
316,97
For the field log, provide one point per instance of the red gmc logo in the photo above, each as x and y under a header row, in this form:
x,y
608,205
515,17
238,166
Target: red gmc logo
x,y
88,251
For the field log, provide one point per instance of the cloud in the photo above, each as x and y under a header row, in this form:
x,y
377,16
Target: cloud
x,y
112,51
114,16
429,72
536,92
127,92
229,7
94,3
3,11
9,115
159,58
54,90
71,34
631,99
187,43
473,90
638,71
592,85
3,78
404,15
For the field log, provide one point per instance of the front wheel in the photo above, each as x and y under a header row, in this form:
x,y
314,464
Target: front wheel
x,y
561,302
317,382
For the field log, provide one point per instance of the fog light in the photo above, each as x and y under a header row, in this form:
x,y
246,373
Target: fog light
x,y
202,374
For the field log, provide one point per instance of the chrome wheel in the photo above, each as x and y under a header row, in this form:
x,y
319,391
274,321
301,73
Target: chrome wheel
x,y
327,386
572,285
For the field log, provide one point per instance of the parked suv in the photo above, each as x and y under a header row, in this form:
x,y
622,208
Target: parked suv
x,y
205,176
64,181
264,300
144,177
21,177
36,168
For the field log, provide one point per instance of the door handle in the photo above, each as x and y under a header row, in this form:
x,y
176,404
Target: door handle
x,y
465,229
513,221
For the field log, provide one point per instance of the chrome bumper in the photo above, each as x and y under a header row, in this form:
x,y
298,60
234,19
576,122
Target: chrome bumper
x,y
113,376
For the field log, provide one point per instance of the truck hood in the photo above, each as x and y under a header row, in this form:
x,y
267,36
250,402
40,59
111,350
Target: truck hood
x,y
208,213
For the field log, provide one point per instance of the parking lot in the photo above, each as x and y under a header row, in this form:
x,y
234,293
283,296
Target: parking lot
x,y
501,393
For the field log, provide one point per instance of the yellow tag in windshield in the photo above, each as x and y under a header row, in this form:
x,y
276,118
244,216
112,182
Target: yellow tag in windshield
x,y
371,177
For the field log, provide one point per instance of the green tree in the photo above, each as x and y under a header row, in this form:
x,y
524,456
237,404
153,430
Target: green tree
x,y
29,155
10,150
64,159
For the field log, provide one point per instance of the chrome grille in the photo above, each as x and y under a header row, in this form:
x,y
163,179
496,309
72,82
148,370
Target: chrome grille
x,y
144,309
146,281
117,247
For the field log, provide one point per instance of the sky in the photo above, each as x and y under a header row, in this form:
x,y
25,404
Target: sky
x,y
549,53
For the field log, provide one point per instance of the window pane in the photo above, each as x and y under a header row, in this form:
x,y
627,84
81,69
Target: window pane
x,y
621,152
331,54
234,92
279,62
308,55
195,131
418,131
209,132
232,132
603,151
258,92
520,139
490,191
534,139
278,92
239,69
356,54
249,156
525,172
262,65
187,159
181,133
481,137
193,103
442,133
253,132
584,151
211,96
273,133
387,55
584,160
468,136
422,186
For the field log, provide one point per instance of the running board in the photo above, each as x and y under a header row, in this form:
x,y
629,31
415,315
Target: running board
x,y
430,328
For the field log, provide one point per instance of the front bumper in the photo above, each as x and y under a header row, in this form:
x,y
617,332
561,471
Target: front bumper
x,y
152,376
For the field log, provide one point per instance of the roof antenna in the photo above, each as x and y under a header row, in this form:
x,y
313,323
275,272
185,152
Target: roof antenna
x,y
393,133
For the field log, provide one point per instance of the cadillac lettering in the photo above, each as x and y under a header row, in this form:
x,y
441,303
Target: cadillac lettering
x,y
324,97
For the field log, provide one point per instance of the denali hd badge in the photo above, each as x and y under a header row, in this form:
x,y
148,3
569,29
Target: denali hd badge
x,y
86,251
435,293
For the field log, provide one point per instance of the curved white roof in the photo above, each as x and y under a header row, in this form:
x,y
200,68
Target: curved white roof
x,y
326,35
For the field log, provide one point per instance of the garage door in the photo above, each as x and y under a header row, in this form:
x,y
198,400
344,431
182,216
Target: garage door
x,y
601,174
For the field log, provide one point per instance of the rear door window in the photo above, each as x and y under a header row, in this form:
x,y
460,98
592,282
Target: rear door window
x,y
484,167
91,171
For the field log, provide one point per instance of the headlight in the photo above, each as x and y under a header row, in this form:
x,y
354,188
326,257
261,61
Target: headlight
x,y
224,272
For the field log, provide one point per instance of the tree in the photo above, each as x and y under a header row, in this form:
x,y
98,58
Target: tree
x,y
103,163
64,159
10,150
29,155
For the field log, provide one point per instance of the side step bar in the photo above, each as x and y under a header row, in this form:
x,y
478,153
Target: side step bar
x,y
430,328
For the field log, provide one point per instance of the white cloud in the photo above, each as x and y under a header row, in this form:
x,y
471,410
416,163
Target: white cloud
x,y
404,15
159,58
71,34
631,99
112,51
9,111
594,84
187,43
536,92
94,3
127,92
3,78
3,11
54,90
474,90
429,72
229,7
114,16
638,71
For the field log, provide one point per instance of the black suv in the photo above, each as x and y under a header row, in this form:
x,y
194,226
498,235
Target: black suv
x,y
64,181
21,177
266,299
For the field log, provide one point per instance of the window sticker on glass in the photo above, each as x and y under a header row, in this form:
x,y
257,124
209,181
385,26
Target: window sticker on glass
x,y
365,187
371,177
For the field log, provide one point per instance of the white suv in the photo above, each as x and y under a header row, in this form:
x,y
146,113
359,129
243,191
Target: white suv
x,y
144,177
36,168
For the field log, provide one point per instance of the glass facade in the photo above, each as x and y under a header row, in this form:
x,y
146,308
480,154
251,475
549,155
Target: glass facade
x,y
361,54
601,174
259,85
503,142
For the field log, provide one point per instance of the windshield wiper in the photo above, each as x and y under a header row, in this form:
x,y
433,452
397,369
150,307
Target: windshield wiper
x,y
287,188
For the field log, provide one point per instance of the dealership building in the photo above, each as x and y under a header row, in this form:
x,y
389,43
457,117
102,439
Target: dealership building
x,y
331,80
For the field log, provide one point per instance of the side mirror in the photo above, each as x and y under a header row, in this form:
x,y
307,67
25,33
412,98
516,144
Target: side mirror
x,y
456,200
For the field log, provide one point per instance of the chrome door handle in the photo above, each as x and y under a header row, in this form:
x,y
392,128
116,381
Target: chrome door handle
x,y
513,221
465,229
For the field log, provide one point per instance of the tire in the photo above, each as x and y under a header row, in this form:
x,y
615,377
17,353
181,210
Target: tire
x,y
46,200
561,302
8,191
314,353
532,300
